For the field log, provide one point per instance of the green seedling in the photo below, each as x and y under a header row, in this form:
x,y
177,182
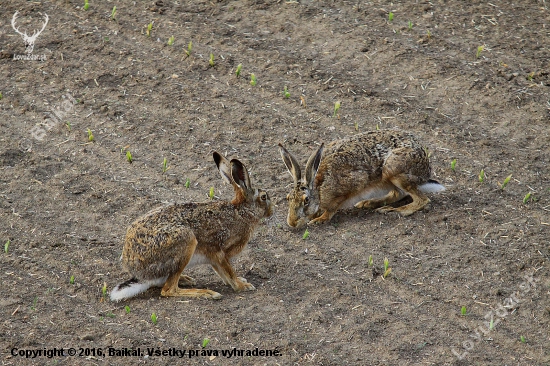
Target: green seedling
x,y
491,325
129,156
527,198
479,50
481,176
410,25
356,126
104,289
1,96
7,246
171,41
86,5
187,183
238,71
530,76
522,339
370,261
205,342
286,94
377,127
211,193
149,29
106,39
253,80
211,61
68,124
90,135
113,13
306,234
71,280
165,166
189,48
506,181
429,34
336,108
390,17
387,269
453,165
33,306
127,309
463,311
110,315
154,318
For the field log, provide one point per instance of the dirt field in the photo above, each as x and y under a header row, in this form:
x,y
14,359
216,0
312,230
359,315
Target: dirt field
x,y
469,78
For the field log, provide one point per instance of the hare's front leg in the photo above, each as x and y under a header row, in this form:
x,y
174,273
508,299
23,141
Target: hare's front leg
x,y
325,217
224,269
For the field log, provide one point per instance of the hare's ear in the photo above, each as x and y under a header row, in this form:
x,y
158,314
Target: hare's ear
x,y
240,175
313,165
291,164
224,167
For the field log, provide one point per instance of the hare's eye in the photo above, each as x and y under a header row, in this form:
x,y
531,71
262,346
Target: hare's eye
x,y
306,200
263,196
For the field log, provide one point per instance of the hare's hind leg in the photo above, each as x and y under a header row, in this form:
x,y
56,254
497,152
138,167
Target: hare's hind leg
x,y
171,287
392,196
419,199
224,269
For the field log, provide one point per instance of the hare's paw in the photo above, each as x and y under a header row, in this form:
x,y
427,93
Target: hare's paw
x,y
385,209
186,280
403,210
180,292
367,204
243,285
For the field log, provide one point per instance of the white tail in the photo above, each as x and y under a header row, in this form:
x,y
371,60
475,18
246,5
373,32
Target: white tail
x,y
133,287
431,186
29,40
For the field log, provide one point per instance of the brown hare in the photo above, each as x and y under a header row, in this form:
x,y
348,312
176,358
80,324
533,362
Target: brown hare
x,y
368,170
162,243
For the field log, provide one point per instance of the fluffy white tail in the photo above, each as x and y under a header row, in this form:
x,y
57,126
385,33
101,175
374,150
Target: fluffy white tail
x,y
431,186
133,287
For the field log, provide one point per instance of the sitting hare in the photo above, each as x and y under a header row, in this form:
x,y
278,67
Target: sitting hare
x,y
162,243
369,170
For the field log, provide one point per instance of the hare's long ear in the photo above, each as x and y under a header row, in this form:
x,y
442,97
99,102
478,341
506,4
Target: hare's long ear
x,y
313,165
291,164
240,175
224,167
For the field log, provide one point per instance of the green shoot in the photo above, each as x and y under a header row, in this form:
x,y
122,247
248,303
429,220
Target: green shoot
x,y
463,311
387,269
527,198
370,261
211,61
205,342
86,5
68,124
453,165
506,181
481,176
286,94
187,183
129,156
7,246
104,289
491,324
238,71
154,318
189,48
127,309
522,339
90,135
377,127
149,28
306,234
356,126
113,13
479,50
165,166
336,108
530,76
33,306
211,193
253,80
71,280
171,41
1,96
429,34
410,25
390,17
110,315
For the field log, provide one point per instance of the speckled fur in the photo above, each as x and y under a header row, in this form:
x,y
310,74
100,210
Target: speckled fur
x,y
369,170
161,243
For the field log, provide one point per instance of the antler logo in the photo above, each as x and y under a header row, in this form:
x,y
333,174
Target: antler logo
x,y
29,40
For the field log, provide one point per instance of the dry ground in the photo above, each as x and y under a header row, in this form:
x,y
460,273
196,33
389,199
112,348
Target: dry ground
x,y
65,202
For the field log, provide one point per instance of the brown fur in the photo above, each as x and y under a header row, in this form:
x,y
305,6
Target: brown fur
x,y
384,166
162,243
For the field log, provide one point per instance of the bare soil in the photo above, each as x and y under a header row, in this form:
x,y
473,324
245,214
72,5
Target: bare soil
x,y
65,202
